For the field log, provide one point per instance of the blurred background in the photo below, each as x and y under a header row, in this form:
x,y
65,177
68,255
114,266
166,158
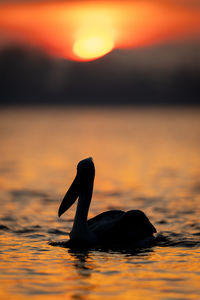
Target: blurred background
x,y
96,52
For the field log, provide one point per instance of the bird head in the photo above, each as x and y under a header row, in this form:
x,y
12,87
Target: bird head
x,y
84,177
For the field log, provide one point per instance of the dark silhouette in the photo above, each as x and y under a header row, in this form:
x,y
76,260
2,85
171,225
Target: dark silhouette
x,y
31,77
114,227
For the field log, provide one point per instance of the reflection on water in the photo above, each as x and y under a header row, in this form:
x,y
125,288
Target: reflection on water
x,y
145,159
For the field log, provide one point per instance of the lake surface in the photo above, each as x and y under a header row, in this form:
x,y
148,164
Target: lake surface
x,y
146,159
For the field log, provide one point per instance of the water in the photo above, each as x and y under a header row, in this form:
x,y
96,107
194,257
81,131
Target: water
x,y
145,159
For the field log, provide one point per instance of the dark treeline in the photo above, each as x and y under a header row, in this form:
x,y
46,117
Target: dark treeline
x,y
31,77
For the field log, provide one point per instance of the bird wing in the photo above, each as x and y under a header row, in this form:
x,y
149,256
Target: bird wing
x,y
118,226
103,222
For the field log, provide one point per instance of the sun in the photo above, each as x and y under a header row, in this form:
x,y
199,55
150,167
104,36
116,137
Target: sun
x,y
89,47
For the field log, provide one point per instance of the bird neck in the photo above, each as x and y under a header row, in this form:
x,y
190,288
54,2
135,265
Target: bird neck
x,y
80,228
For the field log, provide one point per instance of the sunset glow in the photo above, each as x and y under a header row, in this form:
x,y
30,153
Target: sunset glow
x,y
85,30
91,47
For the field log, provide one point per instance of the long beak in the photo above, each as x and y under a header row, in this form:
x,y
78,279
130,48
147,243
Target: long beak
x,y
70,197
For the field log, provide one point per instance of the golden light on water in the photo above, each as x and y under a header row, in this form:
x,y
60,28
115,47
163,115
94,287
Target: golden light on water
x,y
145,159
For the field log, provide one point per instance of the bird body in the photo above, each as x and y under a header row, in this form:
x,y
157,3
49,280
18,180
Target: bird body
x,y
114,227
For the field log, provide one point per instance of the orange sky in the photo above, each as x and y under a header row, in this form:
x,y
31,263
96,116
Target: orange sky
x,y
84,30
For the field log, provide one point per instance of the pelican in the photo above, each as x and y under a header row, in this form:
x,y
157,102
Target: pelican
x,y
113,227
